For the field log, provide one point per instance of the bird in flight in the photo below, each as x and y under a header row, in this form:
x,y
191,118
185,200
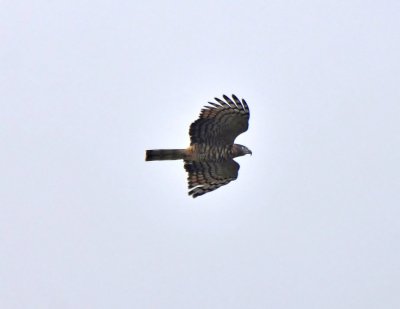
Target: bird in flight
x,y
209,158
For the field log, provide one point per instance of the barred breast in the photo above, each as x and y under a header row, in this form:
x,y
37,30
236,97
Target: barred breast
x,y
202,152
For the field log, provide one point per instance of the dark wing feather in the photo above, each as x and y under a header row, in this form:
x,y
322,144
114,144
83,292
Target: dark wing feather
x,y
220,123
207,176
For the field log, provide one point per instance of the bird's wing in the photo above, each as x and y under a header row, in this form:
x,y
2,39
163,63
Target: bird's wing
x,y
207,176
220,123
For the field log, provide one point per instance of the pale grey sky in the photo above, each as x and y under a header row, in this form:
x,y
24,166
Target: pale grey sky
x,y
311,222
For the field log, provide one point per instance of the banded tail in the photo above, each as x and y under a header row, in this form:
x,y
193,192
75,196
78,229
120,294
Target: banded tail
x,y
165,154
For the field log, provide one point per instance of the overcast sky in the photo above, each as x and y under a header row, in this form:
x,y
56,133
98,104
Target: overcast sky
x,y
313,219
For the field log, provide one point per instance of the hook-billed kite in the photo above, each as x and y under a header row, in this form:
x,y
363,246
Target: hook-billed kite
x,y
209,158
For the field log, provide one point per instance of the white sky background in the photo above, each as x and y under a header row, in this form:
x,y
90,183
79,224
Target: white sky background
x,y
311,222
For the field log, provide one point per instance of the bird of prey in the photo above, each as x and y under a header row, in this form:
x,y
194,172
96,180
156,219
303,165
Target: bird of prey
x,y
209,158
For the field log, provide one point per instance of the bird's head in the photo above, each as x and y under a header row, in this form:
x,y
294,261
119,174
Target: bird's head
x,y
240,150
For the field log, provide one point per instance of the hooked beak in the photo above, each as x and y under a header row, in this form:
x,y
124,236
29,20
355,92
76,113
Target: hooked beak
x,y
249,152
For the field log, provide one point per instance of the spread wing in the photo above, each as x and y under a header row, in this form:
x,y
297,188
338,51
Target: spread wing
x,y
220,123
207,176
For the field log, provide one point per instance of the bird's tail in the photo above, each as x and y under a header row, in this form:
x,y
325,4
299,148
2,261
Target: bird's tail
x,y
165,154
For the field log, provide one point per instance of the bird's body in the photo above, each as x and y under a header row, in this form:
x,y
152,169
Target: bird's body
x,y
197,152
209,158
